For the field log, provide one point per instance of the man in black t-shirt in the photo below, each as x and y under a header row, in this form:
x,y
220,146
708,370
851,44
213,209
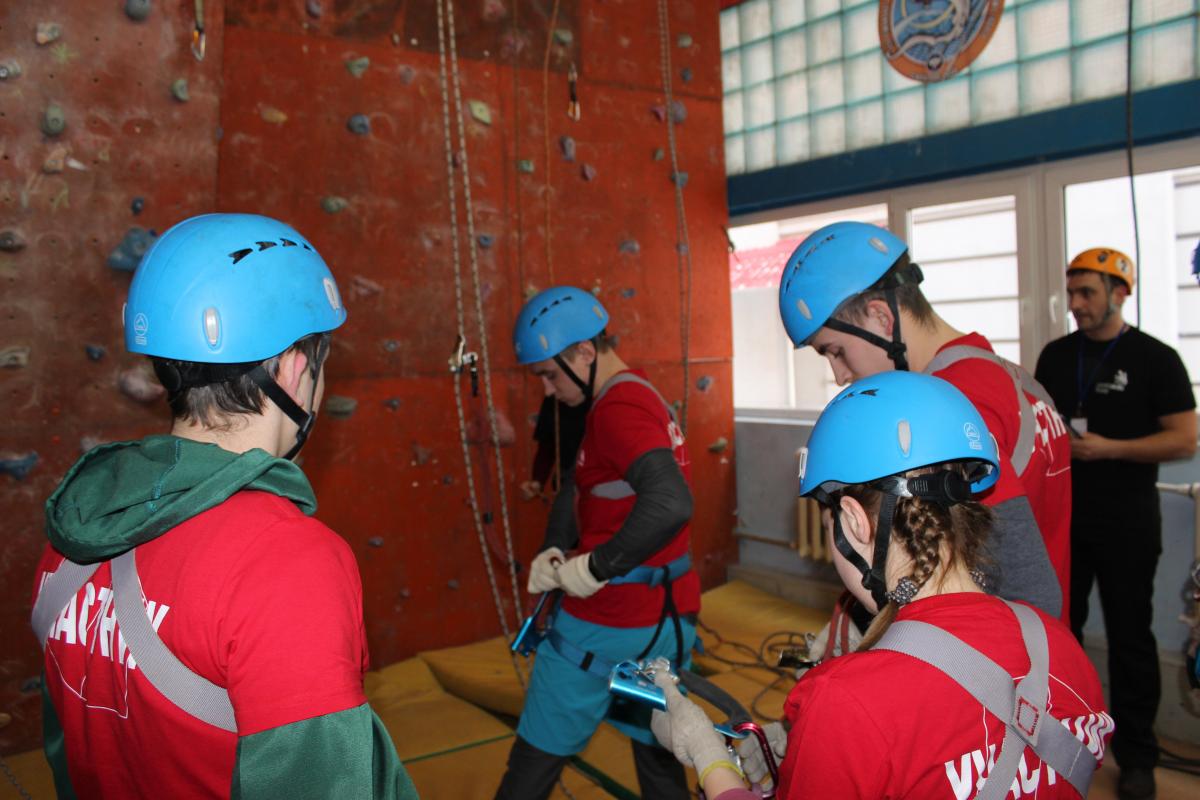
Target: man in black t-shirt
x,y
1129,403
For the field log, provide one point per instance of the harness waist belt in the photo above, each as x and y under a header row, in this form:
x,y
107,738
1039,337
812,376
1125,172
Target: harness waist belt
x,y
654,576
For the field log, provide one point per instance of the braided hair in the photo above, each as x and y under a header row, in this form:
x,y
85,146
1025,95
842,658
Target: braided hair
x,y
929,533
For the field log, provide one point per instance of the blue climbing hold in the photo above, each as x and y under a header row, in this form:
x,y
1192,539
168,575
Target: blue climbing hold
x,y
128,254
19,466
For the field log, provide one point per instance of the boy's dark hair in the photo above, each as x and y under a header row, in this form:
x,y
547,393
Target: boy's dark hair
x,y
908,296
207,404
601,341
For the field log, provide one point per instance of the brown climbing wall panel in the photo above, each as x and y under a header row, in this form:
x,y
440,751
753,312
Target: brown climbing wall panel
x,y
389,475
70,198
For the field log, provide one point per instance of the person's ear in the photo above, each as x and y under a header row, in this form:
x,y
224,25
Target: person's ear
x,y
879,315
293,365
586,352
856,523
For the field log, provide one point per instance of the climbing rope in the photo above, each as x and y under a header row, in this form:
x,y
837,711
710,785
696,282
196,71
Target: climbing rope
x,y
445,14
683,249
558,467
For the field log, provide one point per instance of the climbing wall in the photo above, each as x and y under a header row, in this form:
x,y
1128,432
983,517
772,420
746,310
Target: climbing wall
x,y
108,129
330,116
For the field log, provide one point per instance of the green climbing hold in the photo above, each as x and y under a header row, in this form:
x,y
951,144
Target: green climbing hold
x,y
480,111
54,120
357,66
179,90
332,204
525,165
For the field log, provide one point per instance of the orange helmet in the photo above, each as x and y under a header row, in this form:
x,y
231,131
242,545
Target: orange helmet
x,y
1108,261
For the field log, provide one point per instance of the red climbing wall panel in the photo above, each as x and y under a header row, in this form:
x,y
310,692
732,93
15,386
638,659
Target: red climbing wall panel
x,y
390,476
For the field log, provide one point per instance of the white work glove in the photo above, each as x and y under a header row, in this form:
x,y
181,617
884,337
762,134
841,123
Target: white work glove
x,y
753,762
543,572
576,577
687,731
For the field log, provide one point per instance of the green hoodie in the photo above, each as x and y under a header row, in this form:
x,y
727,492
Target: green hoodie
x,y
120,495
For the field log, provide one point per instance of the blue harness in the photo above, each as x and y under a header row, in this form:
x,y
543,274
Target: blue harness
x,y
530,636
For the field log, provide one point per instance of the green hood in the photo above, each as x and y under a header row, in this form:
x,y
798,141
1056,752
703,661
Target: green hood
x,y
123,494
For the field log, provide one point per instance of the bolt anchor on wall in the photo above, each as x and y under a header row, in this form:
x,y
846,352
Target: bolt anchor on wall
x,y
461,359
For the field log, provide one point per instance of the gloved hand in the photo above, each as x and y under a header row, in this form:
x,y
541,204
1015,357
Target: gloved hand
x,y
576,577
753,761
687,731
543,572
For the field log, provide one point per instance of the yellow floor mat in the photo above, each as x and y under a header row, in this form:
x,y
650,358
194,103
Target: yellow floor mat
x,y
481,673
742,614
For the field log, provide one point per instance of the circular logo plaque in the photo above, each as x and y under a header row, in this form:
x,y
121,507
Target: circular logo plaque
x,y
931,40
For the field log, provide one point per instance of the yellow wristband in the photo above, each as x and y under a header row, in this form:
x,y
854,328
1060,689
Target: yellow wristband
x,y
721,763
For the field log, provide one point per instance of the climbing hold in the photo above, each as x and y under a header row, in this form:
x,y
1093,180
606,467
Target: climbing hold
x,y
659,154
678,111
11,242
357,66
680,179
628,293
56,161
494,10
332,204
54,120
447,480
94,352
681,248
685,74
391,345
630,246
47,32
684,40
480,111
361,287
563,36
359,124
14,356
485,240
18,466
137,10
525,165
452,583
704,382
9,70
89,442
375,541
456,159
719,446
272,115
393,403
596,288
32,684
588,172
340,407
407,74
313,8
421,455
567,145
136,384
659,111
137,205
179,90
128,254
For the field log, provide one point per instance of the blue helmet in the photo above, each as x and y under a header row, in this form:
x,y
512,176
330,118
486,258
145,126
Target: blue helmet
x,y
229,289
891,423
831,265
555,319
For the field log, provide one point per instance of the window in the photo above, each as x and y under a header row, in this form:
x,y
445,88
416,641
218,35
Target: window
x,y
994,250
806,78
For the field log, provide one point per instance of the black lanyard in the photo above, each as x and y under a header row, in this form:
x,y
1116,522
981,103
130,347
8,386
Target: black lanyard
x,y
1082,391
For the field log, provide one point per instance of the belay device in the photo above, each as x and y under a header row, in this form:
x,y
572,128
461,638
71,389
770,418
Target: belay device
x,y
635,681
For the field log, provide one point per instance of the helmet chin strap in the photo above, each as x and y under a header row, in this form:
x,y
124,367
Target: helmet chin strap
x,y
304,419
587,388
896,349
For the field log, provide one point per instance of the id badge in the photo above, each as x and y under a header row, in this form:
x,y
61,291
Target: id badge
x,y
1079,424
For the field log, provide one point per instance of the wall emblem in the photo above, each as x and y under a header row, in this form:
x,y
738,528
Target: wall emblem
x,y
931,40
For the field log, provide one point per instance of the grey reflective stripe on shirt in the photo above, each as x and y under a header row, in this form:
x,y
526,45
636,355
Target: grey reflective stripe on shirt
x,y
192,693
57,590
1022,708
619,490
1023,383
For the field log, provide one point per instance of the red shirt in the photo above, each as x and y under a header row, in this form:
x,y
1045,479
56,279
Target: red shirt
x,y
881,724
1046,481
252,595
628,421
